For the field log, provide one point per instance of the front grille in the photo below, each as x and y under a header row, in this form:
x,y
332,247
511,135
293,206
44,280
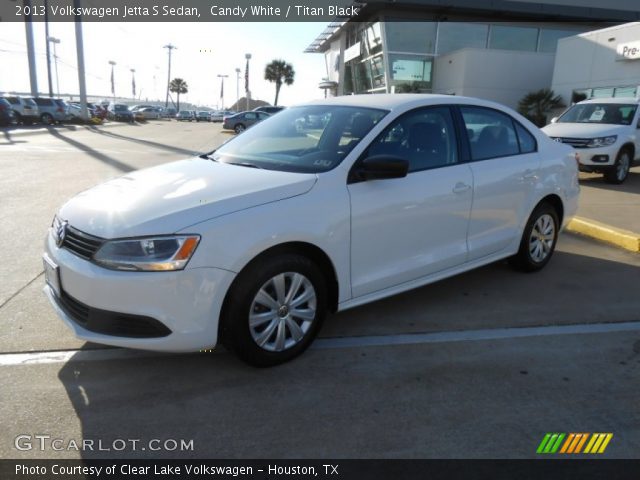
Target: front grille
x,y
80,243
574,142
111,323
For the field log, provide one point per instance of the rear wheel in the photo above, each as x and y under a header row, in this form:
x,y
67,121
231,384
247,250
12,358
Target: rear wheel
x,y
620,170
538,240
46,118
239,128
274,310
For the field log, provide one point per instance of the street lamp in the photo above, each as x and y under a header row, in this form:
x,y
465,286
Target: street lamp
x,y
222,77
170,48
246,80
113,82
237,88
55,41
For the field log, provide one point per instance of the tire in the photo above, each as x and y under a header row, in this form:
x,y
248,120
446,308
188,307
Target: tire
x,y
239,128
278,334
538,240
47,119
618,174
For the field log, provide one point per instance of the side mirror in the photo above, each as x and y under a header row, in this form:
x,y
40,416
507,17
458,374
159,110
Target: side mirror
x,y
554,119
380,167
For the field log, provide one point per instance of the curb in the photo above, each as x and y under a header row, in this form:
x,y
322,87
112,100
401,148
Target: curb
x,y
601,231
70,128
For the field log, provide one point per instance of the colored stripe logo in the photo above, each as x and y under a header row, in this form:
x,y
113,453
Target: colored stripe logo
x,y
593,443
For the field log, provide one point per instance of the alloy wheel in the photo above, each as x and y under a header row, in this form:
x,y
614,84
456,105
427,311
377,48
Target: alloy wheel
x,y
542,238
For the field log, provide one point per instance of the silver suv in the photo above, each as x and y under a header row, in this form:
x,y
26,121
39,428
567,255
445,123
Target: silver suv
x,y
605,133
51,110
25,110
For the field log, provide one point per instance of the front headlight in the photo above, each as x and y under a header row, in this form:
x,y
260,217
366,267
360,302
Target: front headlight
x,y
602,141
148,254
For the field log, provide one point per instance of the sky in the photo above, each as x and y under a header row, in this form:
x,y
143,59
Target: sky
x,y
205,50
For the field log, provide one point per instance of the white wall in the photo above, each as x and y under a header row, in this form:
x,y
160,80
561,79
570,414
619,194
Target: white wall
x,y
503,76
589,60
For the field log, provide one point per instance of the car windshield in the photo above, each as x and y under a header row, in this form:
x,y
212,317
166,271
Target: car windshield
x,y
307,139
121,108
607,113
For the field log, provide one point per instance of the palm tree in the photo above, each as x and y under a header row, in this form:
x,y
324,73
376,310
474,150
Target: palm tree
x,y
178,86
279,72
537,105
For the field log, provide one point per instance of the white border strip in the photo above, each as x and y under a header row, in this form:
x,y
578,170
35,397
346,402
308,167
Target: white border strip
x,y
39,358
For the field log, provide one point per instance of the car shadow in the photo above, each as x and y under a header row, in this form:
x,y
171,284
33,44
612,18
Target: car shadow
x,y
149,143
230,410
106,159
630,185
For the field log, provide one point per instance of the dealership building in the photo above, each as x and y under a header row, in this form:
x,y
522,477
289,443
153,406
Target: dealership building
x,y
497,50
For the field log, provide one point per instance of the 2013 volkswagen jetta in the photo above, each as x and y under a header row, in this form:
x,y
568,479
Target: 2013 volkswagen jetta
x,y
322,207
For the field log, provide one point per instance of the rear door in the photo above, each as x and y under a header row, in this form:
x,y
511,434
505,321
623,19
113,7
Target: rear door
x,y
505,164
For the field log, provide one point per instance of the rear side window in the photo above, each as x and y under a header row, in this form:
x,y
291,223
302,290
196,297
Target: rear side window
x,y
13,100
29,102
491,133
525,139
43,102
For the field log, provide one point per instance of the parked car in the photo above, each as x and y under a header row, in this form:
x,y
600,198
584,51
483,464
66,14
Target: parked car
x,y
120,112
51,110
185,116
268,109
6,113
169,112
396,192
605,133
135,108
25,110
218,115
149,113
243,120
203,116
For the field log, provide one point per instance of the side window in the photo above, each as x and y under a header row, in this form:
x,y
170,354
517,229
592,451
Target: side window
x,y
250,116
491,133
425,137
527,141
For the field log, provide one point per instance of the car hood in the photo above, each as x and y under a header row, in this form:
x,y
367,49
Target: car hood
x,y
582,130
173,196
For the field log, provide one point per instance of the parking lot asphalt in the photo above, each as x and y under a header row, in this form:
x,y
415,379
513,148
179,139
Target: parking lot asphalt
x,y
376,386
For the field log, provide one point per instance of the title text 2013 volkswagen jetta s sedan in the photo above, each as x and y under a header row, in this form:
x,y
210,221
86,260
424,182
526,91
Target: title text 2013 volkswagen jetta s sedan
x,y
252,244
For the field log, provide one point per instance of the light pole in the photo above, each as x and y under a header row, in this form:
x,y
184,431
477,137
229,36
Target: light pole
x,y
170,48
222,77
113,81
133,82
55,41
246,80
237,87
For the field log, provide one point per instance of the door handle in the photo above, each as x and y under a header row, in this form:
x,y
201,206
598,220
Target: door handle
x,y
461,187
528,174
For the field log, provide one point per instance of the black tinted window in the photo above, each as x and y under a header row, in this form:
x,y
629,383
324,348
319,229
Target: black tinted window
x,y
424,137
491,133
43,102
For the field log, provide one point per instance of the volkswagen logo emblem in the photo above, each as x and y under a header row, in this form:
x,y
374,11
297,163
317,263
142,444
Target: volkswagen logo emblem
x,y
60,231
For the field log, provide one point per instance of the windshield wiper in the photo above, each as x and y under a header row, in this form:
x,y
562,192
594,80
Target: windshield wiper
x,y
246,164
208,156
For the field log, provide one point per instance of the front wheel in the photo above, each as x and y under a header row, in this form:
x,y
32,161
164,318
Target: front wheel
x,y
47,119
274,310
620,170
239,128
538,240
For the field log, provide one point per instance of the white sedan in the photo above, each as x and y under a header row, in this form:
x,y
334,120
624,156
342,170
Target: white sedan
x,y
251,245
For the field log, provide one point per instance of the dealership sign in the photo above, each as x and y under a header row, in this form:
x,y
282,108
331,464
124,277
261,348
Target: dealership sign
x,y
629,51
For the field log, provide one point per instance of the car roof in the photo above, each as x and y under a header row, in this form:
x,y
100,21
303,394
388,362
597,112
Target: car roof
x,y
625,100
391,101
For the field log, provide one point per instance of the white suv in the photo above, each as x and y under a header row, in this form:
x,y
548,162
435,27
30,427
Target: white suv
x,y
604,132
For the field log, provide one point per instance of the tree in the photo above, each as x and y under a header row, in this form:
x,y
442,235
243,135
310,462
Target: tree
x,y
279,72
178,86
537,105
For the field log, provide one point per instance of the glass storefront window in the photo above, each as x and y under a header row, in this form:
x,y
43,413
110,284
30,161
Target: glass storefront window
x,y
625,92
371,39
513,38
456,35
602,92
549,38
413,37
410,73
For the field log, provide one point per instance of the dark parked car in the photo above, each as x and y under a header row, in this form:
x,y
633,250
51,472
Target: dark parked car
x,y
119,112
6,113
25,110
203,116
243,120
268,109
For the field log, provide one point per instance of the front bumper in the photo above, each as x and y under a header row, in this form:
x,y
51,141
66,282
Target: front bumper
x,y
187,303
601,157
